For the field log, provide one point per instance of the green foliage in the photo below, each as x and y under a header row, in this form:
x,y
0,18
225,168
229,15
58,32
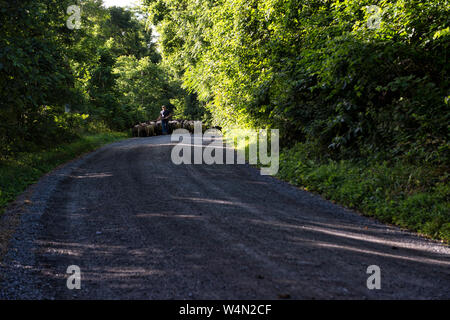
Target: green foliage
x,y
188,107
108,35
120,72
34,73
108,69
144,85
317,70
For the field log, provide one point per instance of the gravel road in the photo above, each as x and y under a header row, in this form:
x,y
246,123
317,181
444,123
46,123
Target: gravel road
x,y
140,227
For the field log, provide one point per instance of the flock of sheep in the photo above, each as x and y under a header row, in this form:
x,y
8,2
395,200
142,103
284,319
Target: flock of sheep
x,y
154,128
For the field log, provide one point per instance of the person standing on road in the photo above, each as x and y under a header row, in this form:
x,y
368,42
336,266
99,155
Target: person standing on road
x,y
164,116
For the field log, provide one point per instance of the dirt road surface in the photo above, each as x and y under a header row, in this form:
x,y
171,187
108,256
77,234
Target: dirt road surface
x,y
140,227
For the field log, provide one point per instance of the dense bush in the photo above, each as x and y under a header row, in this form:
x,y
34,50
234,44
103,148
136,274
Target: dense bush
x,y
34,73
319,70
108,69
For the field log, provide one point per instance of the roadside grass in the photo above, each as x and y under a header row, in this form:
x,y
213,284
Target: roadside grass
x,y
414,197
18,173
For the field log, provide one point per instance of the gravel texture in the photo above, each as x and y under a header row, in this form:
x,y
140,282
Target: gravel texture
x,y
140,227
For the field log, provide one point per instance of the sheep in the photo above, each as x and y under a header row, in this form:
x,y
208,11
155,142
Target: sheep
x,y
153,128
